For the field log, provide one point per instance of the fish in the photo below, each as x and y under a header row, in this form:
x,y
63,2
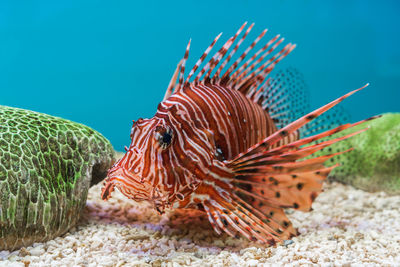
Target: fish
x,y
215,144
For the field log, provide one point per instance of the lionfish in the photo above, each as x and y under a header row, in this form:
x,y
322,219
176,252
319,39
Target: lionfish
x,y
214,144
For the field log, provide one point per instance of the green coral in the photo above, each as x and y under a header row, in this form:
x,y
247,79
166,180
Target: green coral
x,y
46,167
374,164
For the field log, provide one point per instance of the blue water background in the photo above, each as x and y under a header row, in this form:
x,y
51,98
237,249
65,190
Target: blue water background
x,y
105,63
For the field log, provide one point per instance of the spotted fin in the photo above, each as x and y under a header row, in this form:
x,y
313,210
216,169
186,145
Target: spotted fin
x,y
265,180
284,96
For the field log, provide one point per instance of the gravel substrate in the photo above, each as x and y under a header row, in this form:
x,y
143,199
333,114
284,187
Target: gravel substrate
x,y
348,227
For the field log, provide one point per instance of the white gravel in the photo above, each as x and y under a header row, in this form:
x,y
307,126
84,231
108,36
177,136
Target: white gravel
x,y
348,227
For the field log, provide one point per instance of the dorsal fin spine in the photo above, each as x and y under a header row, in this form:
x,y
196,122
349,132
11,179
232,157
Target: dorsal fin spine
x,y
248,78
223,64
245,67
226,48
172,82
182,71
201,59
217,57
244,54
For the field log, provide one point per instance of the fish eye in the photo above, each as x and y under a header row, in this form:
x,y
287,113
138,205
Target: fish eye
x,y
167,138
164,136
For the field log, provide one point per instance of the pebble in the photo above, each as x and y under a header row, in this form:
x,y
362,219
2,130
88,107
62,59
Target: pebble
x,y
121,232
36,251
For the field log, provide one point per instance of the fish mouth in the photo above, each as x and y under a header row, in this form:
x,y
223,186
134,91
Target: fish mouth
x,y
131,186
143,191
159,204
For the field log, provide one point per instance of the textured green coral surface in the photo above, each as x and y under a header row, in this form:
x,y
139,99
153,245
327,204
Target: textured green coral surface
x,y
46,167
374,164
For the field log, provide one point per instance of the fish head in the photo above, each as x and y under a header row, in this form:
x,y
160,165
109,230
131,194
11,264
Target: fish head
x,y
141,172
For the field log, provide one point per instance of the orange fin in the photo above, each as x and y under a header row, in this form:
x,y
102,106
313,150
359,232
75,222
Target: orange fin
x,y
267,179
281,177
235,217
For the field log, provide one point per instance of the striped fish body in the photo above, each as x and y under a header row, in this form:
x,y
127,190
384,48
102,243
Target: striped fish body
x,y
211,124
234,122
214,145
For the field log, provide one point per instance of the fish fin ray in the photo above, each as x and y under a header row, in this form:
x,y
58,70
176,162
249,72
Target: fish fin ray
x,y
296,189
279,137
285,177
173,81
234,217
246,77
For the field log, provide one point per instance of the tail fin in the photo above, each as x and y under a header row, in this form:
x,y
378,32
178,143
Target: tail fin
x,y
266,179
